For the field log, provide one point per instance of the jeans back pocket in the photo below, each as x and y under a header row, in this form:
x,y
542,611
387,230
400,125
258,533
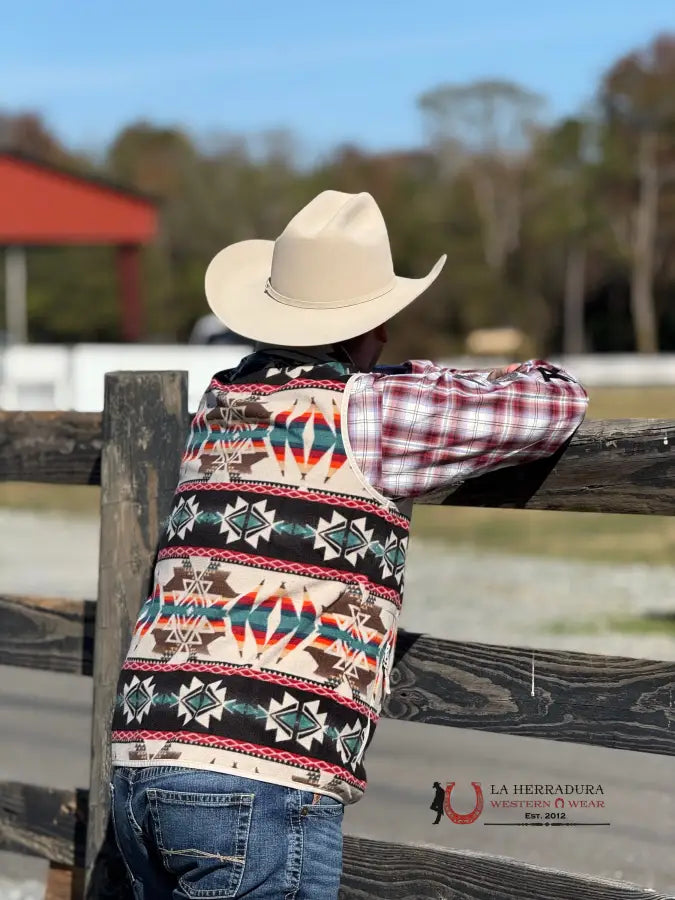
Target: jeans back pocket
x,y
322,806
202,839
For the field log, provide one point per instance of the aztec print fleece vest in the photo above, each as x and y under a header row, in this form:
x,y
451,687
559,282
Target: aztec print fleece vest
x,y
265,647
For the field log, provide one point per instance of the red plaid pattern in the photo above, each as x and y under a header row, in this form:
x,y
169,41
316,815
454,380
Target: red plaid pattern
x,y
434,428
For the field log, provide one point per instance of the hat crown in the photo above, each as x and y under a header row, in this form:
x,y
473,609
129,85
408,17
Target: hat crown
x,y
334,252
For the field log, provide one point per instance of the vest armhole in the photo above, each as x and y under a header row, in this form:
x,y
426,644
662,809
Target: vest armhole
x,y
351,458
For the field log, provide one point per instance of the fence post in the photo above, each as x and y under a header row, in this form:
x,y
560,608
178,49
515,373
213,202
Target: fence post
x,y
144,420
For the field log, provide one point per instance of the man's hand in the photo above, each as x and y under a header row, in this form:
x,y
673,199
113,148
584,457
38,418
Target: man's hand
x,y
496,374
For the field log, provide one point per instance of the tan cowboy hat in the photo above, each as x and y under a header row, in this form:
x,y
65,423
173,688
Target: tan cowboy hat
x,y
329,276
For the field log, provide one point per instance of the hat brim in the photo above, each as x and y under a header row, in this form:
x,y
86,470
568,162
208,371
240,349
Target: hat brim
x,y
235,290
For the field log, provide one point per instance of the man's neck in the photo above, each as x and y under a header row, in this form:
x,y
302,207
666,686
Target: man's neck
x,y
307,355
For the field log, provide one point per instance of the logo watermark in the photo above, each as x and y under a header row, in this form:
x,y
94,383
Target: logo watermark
x,y
525,804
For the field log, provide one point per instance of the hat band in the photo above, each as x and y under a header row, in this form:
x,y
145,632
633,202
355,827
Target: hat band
x,y
317,304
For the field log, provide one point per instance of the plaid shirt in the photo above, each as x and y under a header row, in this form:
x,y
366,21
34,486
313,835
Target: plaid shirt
x,y
423,428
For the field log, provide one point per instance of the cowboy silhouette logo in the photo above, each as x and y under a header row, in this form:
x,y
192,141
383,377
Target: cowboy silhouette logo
x,y
442,803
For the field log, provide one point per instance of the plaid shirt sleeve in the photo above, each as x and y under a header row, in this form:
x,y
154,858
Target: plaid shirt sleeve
x,y
433,428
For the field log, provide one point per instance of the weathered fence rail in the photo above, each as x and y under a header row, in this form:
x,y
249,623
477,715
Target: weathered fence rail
x,y
49,633
605,701
133,452
614,466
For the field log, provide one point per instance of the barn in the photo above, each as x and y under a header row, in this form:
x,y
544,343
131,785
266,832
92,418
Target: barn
x,y
46,205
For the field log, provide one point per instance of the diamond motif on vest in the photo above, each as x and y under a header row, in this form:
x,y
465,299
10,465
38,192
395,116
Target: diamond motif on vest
x,y
137,698
236,458
352,741
393,557
188,634
247,521
193,580
199,701
310,436
230,437
294,720
340,537
348,642
182,624
183,517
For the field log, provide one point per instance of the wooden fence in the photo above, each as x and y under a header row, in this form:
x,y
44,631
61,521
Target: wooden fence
x,y
133,451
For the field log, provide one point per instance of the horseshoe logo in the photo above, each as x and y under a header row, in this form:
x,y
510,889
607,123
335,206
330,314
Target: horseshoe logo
x,y
463,818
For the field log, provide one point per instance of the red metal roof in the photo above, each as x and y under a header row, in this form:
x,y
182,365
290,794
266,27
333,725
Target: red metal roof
x,y
43,204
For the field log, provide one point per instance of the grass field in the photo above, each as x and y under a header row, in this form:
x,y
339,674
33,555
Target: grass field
x,y
575,535
631,403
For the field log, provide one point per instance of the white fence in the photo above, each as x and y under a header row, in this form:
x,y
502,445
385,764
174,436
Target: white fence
x,y
63,377
71,377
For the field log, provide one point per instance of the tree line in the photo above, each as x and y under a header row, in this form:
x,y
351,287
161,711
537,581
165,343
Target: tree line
x,y
563,230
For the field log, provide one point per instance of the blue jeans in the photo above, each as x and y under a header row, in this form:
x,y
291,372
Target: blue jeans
x,y
189,833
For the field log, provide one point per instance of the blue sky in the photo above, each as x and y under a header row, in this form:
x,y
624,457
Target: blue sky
x,y
331,72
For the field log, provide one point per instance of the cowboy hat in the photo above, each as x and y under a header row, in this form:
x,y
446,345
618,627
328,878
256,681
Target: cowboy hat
x,y
328,277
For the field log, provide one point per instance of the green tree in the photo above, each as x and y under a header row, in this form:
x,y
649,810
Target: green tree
x,y
639,103
484,129
563,220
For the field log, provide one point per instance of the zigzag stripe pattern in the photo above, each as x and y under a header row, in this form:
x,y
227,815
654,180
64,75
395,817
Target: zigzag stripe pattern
x,y
210,740
262,389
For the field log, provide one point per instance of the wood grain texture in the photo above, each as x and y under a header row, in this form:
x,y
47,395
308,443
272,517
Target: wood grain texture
x,y
43,822
47,633
144,435
588,699
614,466
56,447
64,883
375,869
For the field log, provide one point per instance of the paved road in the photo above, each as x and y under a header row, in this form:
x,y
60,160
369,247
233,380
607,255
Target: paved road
x,y
45,718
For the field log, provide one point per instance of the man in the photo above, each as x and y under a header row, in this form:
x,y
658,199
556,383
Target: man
x,y
260,661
